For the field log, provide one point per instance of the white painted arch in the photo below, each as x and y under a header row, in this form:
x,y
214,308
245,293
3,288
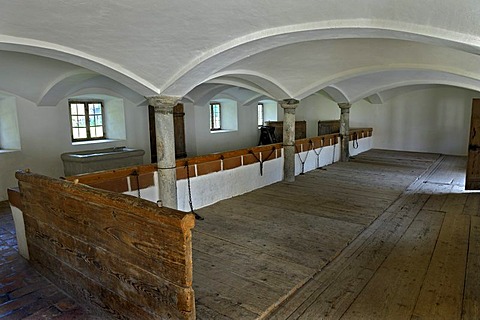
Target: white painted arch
x,y
221,57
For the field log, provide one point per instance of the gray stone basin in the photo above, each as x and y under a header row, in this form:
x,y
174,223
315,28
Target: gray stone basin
x,y
101,159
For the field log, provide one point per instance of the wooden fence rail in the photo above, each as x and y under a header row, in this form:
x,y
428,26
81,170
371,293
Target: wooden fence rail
x,y
119,179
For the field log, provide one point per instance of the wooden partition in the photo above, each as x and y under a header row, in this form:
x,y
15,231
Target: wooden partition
x,y
116,180
122,256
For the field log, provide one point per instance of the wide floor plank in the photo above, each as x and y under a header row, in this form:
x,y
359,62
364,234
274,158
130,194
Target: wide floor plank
x,y
442,291
293,230
385,236
471,299
405,269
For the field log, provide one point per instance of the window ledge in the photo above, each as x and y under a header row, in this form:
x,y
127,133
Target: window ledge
x,y
222,131
81,143
9,150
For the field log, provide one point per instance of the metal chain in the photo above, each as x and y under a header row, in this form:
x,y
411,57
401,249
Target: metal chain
x,y
263,160
317,154
355,140
198,217
136,175
300,158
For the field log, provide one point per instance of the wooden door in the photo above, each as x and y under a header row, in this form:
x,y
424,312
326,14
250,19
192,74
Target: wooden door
x,y
178,129
473,165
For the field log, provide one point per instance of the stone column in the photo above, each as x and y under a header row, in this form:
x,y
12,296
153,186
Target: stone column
x,y
344,131
289,106
167,178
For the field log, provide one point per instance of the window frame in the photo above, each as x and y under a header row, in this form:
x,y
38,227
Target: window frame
x,y
87,119
212,118
262,114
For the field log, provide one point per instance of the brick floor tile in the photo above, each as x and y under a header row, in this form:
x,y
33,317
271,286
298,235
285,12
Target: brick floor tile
x,y
24,293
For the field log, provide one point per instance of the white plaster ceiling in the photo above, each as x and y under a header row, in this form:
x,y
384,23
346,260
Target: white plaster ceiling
x,y
278,49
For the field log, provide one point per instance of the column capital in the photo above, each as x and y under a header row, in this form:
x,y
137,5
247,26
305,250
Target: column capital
x,y
162,103
344,106
289,105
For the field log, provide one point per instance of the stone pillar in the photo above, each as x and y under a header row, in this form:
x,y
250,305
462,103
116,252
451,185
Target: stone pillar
x,y
289,106
167,178
344,131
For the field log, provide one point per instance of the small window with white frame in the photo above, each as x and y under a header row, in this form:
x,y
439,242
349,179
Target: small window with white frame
x,y
260,114
87,120
215,116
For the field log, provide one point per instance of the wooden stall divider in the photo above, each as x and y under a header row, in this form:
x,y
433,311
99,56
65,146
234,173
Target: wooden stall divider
x,y
120,255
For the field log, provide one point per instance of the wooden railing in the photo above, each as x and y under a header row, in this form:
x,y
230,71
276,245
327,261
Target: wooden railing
x,y
119,179
121,255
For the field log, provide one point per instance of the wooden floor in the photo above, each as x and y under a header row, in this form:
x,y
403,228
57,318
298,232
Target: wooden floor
x,y
389,235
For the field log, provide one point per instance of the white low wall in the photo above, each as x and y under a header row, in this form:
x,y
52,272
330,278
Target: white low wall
x,y
210,188
213,187
20,231
151,193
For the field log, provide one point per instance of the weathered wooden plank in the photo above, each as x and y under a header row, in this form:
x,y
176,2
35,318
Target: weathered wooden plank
x,y
161,250
107,304
216,299
252,220
331,291
257,265
117,253
455,203
255,295
133,205
338,296
393,290
122,277
234,275
442,290
97,177
287,241
472,205
471,297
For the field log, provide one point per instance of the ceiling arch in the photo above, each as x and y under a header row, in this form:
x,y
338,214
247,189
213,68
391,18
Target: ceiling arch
x,y
67,54
366,85
231,52
172,56
70,84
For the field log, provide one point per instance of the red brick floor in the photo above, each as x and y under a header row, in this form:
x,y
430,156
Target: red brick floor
x,y
24,293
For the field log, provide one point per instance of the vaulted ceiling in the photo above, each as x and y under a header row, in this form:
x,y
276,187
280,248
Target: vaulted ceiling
x,y
280,49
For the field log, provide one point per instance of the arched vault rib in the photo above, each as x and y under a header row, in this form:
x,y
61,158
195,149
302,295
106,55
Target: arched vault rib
x,y
213,61
104,67
344,86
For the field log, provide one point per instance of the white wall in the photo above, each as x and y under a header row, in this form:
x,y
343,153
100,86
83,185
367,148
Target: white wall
x,y
45,134
432,120
200,141
217,186
319,107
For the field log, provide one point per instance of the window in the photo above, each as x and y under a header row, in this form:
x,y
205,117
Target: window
x,y
87,120
215,116
260,114
9,129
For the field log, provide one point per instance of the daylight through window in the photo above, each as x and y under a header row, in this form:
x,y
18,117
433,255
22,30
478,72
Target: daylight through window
x,y
215,116
260,114
87,120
